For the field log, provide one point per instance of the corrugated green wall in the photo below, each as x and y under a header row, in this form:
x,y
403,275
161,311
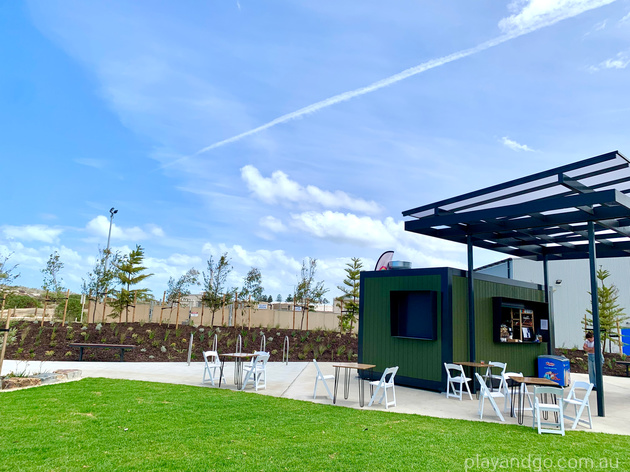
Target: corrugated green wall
x,y
419,359
460,319
520,357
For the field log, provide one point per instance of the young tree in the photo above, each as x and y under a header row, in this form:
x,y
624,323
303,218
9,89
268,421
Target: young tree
x,y
129,273
308,291
214,284
349,301
100,281
252,285
52,280
610,313
181,286
7,275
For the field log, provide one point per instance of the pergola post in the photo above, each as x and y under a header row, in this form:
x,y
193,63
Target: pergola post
x,y
551,345
599,380
471,302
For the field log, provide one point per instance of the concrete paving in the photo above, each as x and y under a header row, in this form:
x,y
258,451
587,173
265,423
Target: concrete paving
x,y
296,381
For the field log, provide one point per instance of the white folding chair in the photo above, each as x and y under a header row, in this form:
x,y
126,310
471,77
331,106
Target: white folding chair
x,y
557,410
490,377
386,381
485,392
579,403
323,378
256,372
212,363
459,378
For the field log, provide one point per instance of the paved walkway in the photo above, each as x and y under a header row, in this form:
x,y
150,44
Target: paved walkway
x,y
296,380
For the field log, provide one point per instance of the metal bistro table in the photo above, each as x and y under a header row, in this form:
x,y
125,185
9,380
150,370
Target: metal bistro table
x,y
518,383
238,366
348,367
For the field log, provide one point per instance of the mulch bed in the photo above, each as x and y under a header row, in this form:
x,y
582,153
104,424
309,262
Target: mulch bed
x,y
165,343
579,362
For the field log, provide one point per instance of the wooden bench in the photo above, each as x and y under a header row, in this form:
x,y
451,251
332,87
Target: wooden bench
x,y
627,364
122,347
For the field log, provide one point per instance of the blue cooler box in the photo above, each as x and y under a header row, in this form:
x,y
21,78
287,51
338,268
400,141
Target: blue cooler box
x,y
556,368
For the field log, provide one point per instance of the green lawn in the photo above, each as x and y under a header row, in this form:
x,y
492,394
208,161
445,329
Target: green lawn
x,y
112,425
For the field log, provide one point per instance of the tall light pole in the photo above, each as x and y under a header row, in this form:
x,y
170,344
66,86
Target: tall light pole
x,y
112,212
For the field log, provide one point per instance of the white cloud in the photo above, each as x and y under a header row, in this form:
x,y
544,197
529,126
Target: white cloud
x,y
513,145
625,18
41,233
530,16
620,61
349,228
280,189
95,163
184,260
597,27
534,14
23,256
99,226
379,235
273,224
156,231
260,258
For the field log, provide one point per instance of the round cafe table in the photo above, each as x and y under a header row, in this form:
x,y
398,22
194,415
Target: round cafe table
x,y
238,366
348,366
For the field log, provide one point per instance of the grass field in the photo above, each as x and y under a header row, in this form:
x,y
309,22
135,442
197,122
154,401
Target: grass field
x,y
121,425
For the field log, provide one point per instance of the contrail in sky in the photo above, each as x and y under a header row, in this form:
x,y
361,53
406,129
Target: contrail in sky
x,y
432,64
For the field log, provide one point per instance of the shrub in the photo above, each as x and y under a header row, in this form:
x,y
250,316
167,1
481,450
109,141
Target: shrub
x,y
24,335
74,308
12,336
340,350
20,301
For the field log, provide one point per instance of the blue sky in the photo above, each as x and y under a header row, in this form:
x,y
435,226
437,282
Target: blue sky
x,y
280,130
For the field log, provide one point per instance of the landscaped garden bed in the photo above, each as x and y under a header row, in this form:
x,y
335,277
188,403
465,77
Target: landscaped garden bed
x,y
579,362
164,343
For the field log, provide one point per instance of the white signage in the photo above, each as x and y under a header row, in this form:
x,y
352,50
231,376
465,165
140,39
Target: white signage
x,y
262,306
194,313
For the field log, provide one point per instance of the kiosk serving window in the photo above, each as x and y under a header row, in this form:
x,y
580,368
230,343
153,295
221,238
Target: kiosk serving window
x,y
414,314
520,321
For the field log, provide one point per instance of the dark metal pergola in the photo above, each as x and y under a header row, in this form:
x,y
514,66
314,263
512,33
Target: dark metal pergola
x,y
576,211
